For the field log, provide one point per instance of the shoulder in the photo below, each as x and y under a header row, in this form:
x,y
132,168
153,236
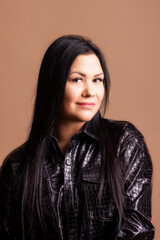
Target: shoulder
x,y
12,162
121,131
120,126
127,141
130,145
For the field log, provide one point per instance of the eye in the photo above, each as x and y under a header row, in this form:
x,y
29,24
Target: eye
x,y
76,79
97,80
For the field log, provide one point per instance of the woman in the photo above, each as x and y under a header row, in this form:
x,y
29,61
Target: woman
x,y
78,176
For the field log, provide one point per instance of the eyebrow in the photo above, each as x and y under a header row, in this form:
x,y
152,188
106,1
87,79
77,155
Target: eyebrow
x,y
84,75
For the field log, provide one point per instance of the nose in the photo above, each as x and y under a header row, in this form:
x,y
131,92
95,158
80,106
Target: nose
x,y
88,90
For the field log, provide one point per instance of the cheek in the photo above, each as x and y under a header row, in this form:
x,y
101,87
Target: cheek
x,y
101,94
70,94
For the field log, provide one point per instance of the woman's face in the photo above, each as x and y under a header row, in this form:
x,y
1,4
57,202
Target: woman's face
x,y
84,89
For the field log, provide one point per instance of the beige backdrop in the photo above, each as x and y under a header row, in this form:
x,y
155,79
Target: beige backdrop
x,y
128,32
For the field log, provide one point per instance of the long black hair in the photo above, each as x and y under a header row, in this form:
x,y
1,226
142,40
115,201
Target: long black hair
x,y
53,74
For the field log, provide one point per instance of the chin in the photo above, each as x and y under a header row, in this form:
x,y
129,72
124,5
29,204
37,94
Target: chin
x,y
85,118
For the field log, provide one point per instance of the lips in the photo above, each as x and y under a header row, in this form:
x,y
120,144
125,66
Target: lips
x,y
86,104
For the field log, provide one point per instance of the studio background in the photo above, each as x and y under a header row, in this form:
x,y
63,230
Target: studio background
x,y
128,32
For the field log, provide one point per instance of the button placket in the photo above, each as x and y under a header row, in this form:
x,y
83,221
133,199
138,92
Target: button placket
x,y
69,191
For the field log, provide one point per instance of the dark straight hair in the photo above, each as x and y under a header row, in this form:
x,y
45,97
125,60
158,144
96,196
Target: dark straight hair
x,y
52,79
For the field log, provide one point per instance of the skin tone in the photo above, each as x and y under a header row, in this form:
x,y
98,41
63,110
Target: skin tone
x,y
83,95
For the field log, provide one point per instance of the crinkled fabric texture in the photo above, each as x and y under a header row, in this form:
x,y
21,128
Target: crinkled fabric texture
x,y
71,185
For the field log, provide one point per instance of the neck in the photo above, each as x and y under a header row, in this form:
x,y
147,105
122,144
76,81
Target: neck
x,y
64,131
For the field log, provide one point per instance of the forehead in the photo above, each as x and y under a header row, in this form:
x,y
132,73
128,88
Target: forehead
x,y
87,64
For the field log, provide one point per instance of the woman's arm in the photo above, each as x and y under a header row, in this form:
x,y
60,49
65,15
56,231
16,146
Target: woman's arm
x,y
137,169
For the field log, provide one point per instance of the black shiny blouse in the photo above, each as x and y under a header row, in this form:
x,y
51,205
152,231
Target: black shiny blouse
x,y
71,183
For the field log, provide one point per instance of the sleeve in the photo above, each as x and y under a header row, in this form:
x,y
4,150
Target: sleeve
x,y
137,172
6,183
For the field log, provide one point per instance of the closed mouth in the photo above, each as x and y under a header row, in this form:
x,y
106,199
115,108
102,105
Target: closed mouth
x,y
86,103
